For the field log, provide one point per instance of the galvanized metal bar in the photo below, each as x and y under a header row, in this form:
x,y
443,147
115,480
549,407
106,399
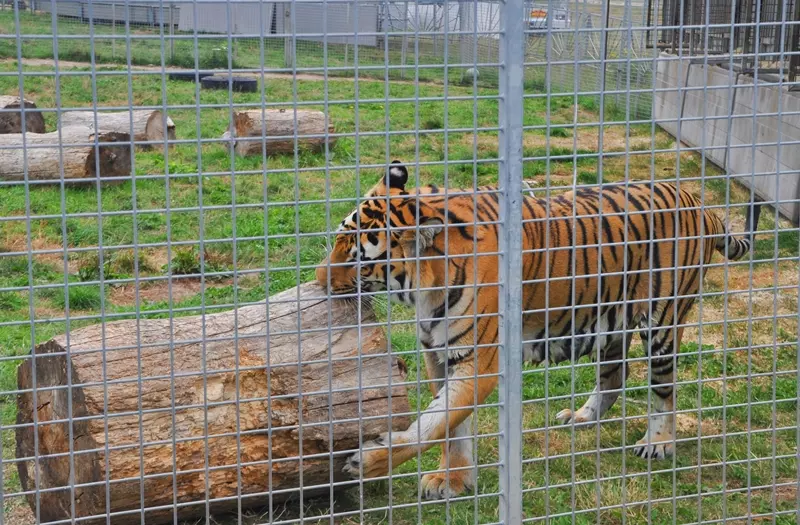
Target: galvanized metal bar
x,y
510,296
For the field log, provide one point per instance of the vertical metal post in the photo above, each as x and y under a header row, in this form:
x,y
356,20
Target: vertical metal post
x,y
794,58
435,31
675,22
171,33
113,30
510,297
602,81
748,17
288,30
404,47
466,22
693,31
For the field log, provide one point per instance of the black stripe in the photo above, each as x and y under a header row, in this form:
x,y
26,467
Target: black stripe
x,y
453,361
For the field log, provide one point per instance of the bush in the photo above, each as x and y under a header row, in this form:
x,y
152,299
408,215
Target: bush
x,y
116,265
185,261
11,301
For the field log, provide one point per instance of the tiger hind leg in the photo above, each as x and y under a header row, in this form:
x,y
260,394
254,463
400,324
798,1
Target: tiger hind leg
x,y
613,370
659,440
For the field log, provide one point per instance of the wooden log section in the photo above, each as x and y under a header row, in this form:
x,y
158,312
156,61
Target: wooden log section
x,y
268,399
278,126
71,149
11,116
148,125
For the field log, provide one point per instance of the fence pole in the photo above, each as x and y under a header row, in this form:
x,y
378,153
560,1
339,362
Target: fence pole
x,y
171,33
794,59
510,297
288,42
404,47
466,22
113,30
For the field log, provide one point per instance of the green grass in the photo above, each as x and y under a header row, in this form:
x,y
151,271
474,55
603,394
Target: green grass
x,y
553,456
145,48
423,60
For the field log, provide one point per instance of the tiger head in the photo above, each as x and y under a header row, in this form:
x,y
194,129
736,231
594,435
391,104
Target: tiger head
x,y
374,250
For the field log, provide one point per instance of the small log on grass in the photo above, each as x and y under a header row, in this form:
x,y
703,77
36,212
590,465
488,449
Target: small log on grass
x,y
148,125
278,128
71,149
11,116
163,380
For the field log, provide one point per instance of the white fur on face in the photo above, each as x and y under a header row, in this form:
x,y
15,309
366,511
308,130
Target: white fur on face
x,y
373,251
349,222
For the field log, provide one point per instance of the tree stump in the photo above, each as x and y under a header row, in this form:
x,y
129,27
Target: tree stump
x,y
162,395
278,126
148,126
11,116
71,149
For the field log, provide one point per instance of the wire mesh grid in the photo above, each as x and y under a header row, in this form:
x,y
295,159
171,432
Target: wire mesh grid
x,y
223,301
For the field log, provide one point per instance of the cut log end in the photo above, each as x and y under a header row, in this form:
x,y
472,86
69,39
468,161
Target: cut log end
x,y
114,160
340,390
69,153
154,129
11,116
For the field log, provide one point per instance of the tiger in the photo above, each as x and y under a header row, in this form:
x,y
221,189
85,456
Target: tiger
x,y
438,252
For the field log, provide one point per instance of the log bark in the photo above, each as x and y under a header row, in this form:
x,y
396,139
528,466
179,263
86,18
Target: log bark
x,y
278,126
71,149
113,382
11,116
148,126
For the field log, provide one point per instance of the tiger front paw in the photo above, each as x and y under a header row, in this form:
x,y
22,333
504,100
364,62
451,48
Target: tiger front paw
x,y
442,485
371,461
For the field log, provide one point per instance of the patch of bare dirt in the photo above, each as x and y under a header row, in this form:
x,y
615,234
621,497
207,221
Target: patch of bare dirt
x,y
18,514
19,243
558,442
744,305
68,64
157,258
687,424
786,492
157,291
585,139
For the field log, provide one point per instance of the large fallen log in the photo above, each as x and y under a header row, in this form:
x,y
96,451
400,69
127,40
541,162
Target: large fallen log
x,y
163,380
70,149
251,128
148,125
11,116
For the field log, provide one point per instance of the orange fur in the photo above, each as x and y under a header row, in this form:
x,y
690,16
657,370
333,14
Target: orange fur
x,y
596,265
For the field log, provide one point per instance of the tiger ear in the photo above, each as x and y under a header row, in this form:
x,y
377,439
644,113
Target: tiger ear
x,y
418,240
398,175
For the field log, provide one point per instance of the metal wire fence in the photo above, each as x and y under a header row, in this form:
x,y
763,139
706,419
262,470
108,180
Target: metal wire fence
x,y
574,299
232,33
